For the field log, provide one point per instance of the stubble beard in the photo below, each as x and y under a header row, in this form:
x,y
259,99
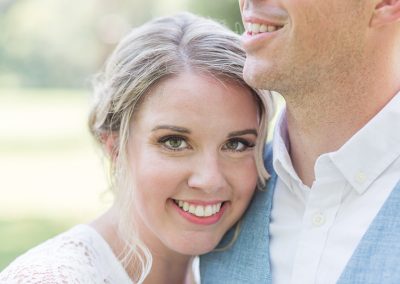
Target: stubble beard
x,y
312,80
290,82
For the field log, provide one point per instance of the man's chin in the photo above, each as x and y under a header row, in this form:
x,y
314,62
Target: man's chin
x,y
256,76
265,76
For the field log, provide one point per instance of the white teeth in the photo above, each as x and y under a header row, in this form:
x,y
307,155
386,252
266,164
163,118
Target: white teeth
x,y
199,210
255,28
249,27
208,211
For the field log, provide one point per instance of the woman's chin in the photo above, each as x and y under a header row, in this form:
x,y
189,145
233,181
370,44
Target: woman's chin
x,y
198,247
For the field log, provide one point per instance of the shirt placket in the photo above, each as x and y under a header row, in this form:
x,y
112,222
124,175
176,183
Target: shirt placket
x,y
321,208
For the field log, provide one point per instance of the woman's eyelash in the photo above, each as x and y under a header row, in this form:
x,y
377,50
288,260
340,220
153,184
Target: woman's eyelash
x,y
238,145
180,143
173,142
247,143
169,137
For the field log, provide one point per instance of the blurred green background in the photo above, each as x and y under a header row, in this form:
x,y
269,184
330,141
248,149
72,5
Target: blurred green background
x,y
51,172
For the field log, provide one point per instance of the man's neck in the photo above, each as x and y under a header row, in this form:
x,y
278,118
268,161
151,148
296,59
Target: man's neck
x,y
322,123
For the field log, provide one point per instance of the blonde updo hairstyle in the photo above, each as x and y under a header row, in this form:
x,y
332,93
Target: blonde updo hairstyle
x,y
161,49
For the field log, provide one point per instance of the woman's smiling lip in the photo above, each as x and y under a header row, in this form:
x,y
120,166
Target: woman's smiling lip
x,y
200,212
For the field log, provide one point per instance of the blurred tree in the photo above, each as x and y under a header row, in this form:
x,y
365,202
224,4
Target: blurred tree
x,y
5,5
48,43
60,43
226,11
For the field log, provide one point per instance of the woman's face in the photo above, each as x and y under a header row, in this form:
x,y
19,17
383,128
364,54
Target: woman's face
x,y
191,157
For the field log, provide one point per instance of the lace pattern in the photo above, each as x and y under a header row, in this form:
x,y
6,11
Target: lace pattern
x,y
78,256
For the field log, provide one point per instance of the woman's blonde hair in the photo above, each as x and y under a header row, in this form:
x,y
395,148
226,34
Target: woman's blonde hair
x,y
157,50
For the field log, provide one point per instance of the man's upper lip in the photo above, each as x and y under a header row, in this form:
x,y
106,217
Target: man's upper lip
x,y
250,17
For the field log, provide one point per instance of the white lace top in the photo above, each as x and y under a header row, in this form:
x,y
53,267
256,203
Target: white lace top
x,y
78,256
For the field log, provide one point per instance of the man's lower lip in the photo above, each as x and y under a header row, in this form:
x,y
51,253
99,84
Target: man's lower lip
x,y
251,41
200,220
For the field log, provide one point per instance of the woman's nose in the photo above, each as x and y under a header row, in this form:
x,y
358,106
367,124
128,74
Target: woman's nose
x,y
207,174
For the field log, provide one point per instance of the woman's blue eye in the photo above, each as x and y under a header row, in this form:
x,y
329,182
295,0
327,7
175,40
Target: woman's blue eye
x,y
174,143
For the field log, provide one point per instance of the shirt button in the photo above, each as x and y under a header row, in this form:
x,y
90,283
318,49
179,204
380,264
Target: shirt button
x,y
360,177
318,219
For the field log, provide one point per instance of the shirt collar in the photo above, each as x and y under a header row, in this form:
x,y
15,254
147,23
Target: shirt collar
x,y
372,149
281,159
360,160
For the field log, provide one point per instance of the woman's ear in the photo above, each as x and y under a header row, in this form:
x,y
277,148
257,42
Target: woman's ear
x,y
110,144
386,12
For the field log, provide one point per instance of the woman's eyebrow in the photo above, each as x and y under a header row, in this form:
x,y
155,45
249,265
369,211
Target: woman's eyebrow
x,y
243,132
187,131
173,128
